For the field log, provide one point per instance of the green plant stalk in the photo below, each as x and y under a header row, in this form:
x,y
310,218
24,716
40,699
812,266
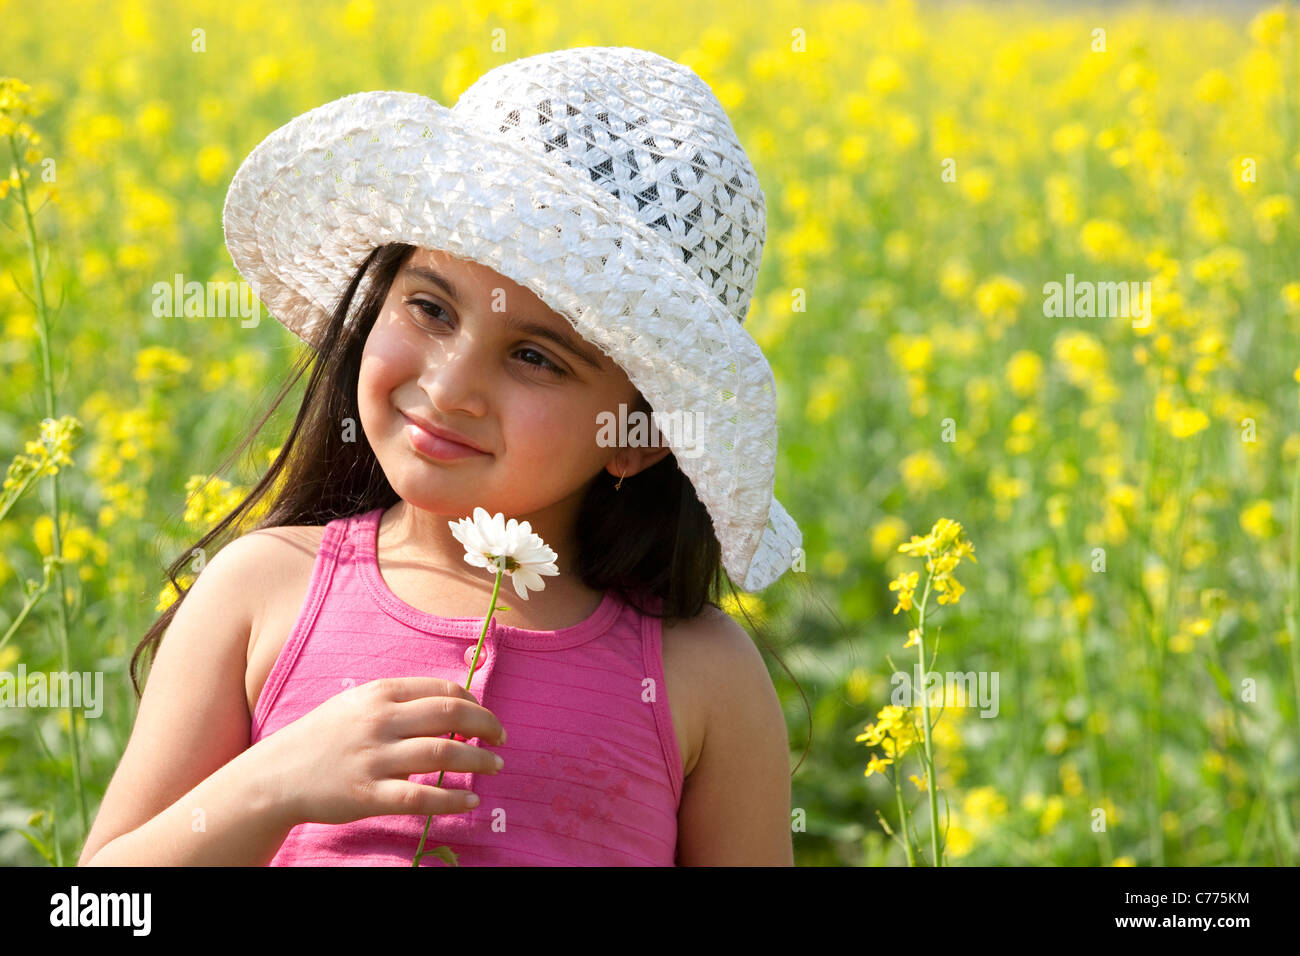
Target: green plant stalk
x,y
32,601
47,376
1293,616
496,587
1264,790
1162,635
925,723
902,818
16,494
1085,687
1094,746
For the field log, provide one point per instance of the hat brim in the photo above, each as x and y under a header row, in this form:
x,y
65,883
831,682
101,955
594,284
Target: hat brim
x,y
311,201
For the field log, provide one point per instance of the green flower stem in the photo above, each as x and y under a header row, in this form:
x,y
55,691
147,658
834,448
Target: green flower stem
x,y
932,783
902,816
1080,668
1266,798
496,587
42,312
16,493
1293,616
32,600
1160,634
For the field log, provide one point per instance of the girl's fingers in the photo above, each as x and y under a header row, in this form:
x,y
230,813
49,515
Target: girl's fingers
x,y
404,797
440,716
434,754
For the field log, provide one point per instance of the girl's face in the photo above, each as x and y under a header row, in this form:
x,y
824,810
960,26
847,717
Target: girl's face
x,y
461,358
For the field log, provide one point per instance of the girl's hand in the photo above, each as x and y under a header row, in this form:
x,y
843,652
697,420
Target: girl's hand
x,y
351,756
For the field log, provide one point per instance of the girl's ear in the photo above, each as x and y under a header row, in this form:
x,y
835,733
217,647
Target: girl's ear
x,y
630,461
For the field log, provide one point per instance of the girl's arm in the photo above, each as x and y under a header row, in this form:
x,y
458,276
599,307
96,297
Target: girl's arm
x,y
189,789
735,808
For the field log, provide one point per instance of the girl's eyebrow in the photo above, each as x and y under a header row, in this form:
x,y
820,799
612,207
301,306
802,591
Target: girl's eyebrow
x,y
428,275
516,324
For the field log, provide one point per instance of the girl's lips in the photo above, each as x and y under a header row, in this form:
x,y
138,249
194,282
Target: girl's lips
x,y
432,446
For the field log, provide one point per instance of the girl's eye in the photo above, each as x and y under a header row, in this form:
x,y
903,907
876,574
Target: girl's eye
x,y
546,364
425,305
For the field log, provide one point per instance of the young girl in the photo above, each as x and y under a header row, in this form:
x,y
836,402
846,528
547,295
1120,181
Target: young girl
x,y
481,287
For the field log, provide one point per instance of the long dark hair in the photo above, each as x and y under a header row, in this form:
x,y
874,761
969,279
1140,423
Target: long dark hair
x,y
625,538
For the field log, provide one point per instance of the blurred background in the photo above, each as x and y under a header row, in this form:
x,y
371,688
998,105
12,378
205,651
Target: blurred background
x,y
1129,483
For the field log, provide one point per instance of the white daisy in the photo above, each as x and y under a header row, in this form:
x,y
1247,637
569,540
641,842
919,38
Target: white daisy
x,y
512,547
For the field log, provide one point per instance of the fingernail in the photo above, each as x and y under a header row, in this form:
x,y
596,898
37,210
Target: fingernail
x,y
472,799
503,736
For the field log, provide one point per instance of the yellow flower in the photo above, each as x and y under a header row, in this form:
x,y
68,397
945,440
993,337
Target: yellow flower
x,y
1062,200
858,685
913,636
905,585
834,562
358,16
960,841
877,765
209,501
1082,356
1214,87
168,596
157,365
1222,266
955,279
1104,240
884,74
1291,301
1257,519
950,590
921,472
824,401
1053,811
999,296
885,534
1070,138
1187,421
1270,211
211,162
1024,372
752,604
1268,26
914,353
976,185
1070,779
900,729
984,804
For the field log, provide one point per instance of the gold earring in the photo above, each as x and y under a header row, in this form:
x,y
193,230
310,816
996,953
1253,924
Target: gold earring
x,y
620,481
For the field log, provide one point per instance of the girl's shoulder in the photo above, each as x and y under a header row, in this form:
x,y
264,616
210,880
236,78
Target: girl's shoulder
x,y
283,559
697,653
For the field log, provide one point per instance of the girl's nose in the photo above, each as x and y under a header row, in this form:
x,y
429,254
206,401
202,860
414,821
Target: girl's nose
x,y
455,375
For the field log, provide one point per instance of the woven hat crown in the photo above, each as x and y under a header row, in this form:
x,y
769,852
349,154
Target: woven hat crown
x,y
651,132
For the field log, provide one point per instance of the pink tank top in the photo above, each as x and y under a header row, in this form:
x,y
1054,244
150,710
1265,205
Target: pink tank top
x,y
593,773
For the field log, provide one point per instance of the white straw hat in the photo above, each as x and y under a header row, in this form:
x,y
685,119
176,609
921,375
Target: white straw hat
x,y
609,182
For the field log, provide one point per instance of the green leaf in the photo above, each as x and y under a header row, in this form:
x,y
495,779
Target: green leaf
x,y
40,847
1220,679
443,853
